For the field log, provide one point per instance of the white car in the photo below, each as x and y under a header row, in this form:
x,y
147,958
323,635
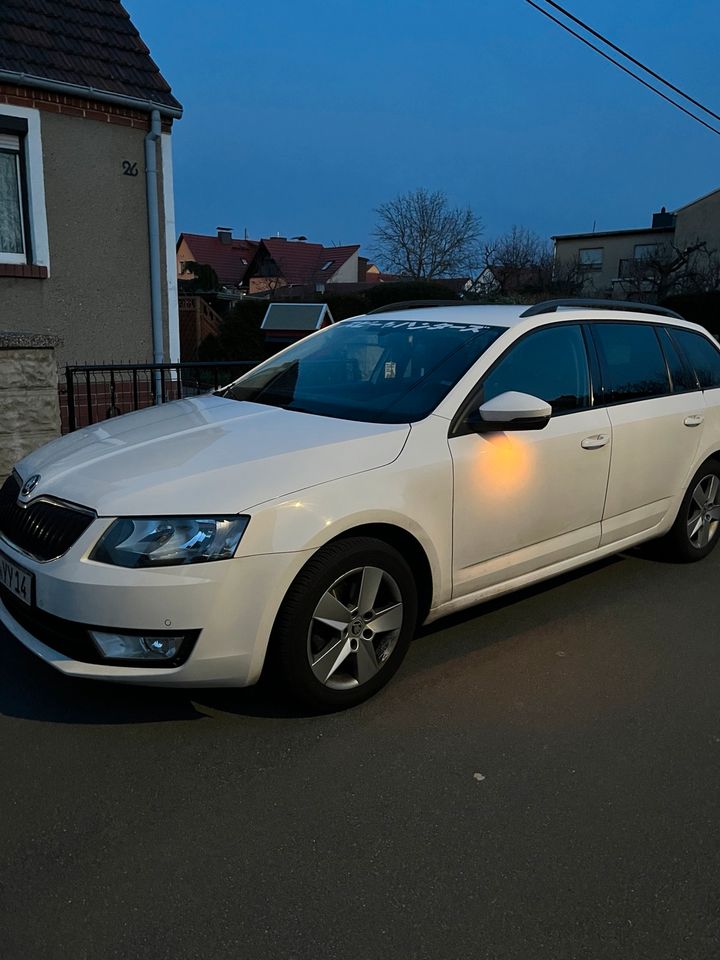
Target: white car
x,y
382,473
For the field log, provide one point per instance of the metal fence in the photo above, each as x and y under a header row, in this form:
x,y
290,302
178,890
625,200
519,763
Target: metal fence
x,y
98,392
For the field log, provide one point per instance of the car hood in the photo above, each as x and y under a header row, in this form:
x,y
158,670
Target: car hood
x,y
205,455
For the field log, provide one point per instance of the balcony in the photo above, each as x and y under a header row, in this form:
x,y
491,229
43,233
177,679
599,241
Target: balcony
x,y
632,269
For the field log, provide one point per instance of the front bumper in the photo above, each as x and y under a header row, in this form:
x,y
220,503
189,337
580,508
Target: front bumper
x,y
229,606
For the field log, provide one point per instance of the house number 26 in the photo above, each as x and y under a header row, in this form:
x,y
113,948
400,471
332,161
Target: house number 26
x,y
130,168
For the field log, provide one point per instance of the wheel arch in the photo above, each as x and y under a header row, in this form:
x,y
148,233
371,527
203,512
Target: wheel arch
x,y
406,543
409,547
715,455
709,456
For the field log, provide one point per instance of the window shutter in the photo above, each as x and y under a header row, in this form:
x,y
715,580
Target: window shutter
x,y
9,142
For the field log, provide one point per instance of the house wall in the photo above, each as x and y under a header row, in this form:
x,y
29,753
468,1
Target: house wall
x,y
183,254
262,284
700,221
97,296
616,247
348,272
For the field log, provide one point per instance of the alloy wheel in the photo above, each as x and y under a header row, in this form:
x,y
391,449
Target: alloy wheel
x,y
704,511
354,628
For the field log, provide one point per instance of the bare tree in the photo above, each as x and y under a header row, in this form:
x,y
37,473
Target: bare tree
x,y
515,261
670,270
418,235
520,264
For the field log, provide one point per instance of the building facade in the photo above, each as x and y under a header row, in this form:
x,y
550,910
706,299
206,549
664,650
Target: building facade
x,y
615,262
87,233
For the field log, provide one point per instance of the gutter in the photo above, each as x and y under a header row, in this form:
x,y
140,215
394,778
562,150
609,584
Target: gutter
x,y
152,140
78,90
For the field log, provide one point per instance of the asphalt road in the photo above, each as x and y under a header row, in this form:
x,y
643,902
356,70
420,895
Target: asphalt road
x,y
541,780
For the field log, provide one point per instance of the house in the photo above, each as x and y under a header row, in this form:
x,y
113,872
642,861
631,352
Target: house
x,y
280,264
616,262
87,235
228,256
507,280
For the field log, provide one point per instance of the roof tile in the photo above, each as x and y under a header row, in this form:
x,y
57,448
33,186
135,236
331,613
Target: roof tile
x,y
302,262
83,42
228,260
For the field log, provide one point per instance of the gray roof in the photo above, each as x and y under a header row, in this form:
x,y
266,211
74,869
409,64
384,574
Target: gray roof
x,y
296,316
599,234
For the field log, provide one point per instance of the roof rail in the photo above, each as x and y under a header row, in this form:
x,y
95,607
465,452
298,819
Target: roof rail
x,y
412,304
550,306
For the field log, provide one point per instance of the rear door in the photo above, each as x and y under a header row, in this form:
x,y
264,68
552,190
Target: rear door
x,y
657,414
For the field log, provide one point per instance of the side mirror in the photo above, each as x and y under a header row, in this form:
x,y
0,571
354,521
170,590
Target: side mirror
x,y
511,411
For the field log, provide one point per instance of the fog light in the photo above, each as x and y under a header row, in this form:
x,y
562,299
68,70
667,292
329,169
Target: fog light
x,y
122,646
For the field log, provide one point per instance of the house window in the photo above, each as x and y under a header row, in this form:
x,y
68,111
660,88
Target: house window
x,y
326,265
591,258
12,201
646,251
23,221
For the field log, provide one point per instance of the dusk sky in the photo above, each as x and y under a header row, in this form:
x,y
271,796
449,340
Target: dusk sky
x,y
301,117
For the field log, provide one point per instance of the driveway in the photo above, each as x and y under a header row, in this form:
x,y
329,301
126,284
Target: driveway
x,y
541,780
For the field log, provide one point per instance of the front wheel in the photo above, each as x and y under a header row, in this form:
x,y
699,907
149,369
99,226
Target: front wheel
x,y
695,531
346,623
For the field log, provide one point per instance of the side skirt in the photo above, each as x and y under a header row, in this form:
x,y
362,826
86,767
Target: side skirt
x,y
545,573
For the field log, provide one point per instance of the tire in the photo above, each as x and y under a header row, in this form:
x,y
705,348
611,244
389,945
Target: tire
x,y
328,652
699,512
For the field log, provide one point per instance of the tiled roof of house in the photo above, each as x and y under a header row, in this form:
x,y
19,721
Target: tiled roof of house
x,y
301,262
88,43
228,260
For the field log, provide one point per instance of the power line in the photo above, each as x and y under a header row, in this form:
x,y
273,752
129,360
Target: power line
x,y
621,66
632,59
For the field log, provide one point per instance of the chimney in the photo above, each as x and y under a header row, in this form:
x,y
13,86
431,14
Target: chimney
x,y
663,219
225,234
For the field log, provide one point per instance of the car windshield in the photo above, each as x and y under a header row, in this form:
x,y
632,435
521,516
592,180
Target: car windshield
x,y
376,370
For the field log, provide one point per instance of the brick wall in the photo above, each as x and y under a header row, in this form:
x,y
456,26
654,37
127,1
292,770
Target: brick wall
x,y
71,106
29,408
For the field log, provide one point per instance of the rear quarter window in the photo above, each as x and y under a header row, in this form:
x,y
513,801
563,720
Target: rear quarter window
x,y
681,373
702,355
632,363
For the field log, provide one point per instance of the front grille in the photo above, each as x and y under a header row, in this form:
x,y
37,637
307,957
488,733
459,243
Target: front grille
x,y
44,529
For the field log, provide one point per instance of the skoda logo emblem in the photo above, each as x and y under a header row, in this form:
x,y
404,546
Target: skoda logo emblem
x,y
30,485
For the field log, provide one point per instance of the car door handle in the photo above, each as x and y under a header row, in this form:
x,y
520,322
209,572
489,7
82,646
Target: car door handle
x,y
694,421
593,443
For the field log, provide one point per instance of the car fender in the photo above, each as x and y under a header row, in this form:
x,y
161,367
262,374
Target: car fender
x,y
414,494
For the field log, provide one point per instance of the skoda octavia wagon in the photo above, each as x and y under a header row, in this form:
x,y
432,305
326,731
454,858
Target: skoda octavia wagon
x,y
382,473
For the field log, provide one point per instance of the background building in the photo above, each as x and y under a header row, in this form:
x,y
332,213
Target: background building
x,y
678,253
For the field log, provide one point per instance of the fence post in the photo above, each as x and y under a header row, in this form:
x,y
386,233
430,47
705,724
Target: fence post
x,y
88,398
29,396
70,381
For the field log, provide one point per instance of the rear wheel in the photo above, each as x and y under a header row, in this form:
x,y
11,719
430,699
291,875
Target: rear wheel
x,y
346,623
695,531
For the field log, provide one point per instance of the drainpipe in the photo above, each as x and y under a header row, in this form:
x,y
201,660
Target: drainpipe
x,y
151,190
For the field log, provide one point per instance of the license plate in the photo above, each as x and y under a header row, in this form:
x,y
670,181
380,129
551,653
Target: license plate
x,y
21,583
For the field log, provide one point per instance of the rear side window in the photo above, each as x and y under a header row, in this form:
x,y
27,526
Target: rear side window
x,y
681,375
550,364
632,363
702,355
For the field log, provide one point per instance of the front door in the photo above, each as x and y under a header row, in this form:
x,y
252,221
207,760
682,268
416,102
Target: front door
x,y
526,499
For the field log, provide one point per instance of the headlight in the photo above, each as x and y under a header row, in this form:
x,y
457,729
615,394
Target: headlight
x,y
168,541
